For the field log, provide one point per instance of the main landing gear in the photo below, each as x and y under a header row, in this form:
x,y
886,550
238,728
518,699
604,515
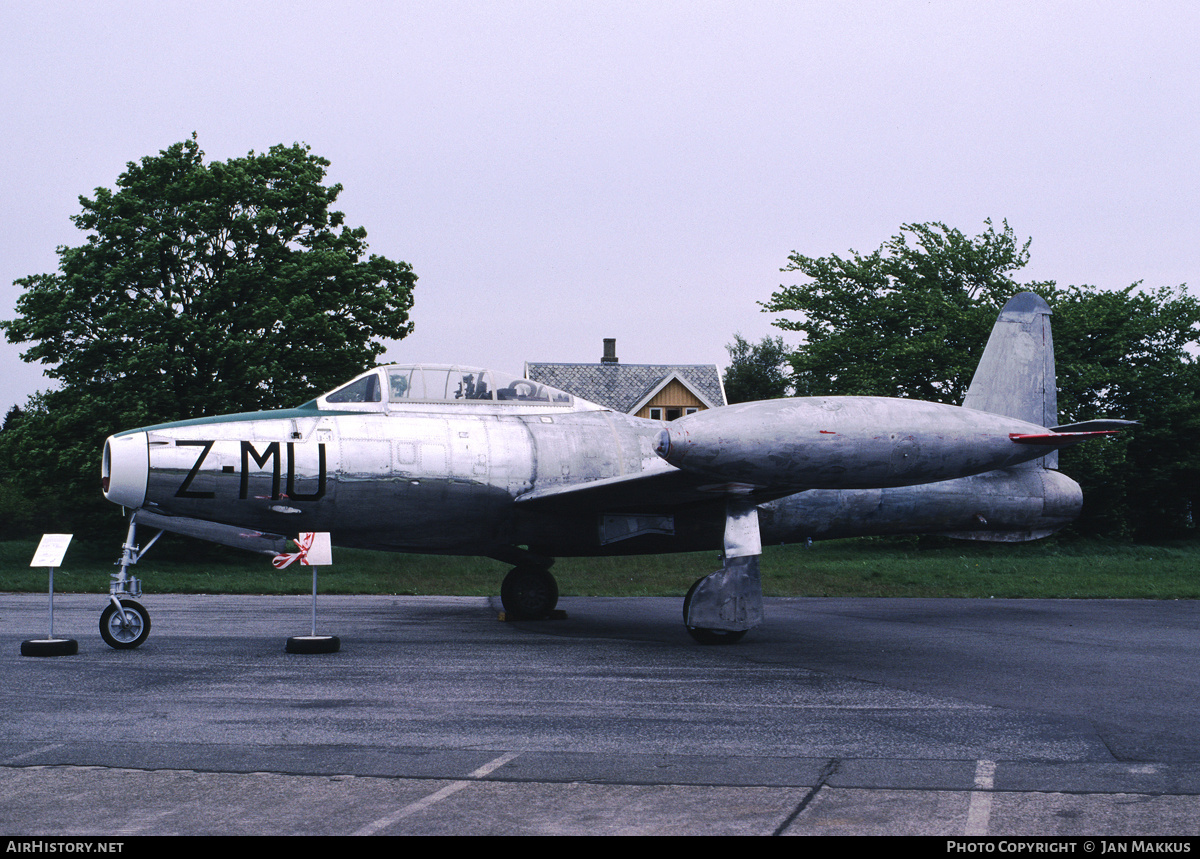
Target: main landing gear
x,y
723,606
704,635
718,609
528,592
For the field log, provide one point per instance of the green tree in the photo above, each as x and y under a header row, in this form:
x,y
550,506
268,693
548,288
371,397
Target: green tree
x,y
201,288
1129,353
908,320
912,318
757,371
16,513
11,418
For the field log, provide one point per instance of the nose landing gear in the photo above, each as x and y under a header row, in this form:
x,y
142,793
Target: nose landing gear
x,y
125,623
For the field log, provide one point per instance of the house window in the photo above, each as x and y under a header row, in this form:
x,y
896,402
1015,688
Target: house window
x,y
670,413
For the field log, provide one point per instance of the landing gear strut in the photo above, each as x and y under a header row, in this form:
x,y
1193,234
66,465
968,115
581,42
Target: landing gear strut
x,y
721,607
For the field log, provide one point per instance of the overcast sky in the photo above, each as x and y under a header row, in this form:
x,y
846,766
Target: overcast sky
x,y
561,172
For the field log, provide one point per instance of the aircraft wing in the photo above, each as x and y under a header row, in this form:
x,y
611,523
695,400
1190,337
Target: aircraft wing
x,y
647,491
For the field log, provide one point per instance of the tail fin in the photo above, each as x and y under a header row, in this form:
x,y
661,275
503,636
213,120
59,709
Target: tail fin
x,y
1015,376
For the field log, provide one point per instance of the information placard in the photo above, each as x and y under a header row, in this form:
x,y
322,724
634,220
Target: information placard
x,y
51,550
320,552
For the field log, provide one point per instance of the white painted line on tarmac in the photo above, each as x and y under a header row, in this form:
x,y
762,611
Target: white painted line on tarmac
x,y
979,813
437,796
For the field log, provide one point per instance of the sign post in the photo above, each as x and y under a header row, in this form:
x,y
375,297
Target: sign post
x,y
314,551
49,554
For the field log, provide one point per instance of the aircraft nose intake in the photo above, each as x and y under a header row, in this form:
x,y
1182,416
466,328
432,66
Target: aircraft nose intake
x,y
126,466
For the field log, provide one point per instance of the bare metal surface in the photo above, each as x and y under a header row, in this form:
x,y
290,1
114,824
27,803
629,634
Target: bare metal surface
x,y
731,598
465,460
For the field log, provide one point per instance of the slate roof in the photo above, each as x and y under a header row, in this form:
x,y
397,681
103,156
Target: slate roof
x,y
622,386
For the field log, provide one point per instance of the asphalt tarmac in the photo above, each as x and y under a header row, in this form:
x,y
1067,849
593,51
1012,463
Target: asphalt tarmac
x,y
836,716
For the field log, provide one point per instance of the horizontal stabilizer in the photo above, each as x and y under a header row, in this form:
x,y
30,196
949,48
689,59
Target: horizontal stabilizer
x,y
1092,426
1058,439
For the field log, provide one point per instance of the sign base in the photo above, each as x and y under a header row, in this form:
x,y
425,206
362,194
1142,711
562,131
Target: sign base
x,y
313,644
49,647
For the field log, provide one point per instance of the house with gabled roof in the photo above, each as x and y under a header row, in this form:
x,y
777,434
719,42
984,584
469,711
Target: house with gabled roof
x,y
656,391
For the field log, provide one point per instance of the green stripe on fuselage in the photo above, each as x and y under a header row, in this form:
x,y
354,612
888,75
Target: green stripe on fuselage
x,y
308,410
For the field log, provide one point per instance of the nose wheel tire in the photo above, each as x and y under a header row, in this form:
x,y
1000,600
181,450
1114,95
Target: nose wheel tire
x,y
124,630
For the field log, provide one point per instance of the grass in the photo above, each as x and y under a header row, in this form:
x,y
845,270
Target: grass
x,y
883,567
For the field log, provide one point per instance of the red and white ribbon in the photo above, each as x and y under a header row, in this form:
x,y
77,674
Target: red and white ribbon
x,y
304,543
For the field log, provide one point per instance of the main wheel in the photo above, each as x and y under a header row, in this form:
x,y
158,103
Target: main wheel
x,y
529,593
708,636
123,634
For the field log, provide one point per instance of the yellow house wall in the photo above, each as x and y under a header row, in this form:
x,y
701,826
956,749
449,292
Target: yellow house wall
x,y
673,395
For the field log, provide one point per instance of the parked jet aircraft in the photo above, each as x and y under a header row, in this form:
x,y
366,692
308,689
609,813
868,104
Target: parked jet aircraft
x,y
456,460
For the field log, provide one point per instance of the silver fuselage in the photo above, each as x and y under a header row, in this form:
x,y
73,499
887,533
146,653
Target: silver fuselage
x,y
470,478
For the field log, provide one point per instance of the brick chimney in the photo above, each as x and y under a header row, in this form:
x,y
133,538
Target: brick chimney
x,y
610,351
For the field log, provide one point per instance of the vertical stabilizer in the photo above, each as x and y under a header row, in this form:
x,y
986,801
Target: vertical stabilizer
x,y
1015,376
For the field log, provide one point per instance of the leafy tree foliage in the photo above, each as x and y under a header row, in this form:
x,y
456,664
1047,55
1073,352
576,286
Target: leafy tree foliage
x,y
1130,354
757,371
911,320
11,418
202,288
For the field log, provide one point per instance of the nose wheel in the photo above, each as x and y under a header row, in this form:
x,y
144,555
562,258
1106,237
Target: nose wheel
x,y
124,626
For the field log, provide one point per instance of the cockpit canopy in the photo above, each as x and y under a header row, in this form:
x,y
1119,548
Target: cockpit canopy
x,y
398,385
